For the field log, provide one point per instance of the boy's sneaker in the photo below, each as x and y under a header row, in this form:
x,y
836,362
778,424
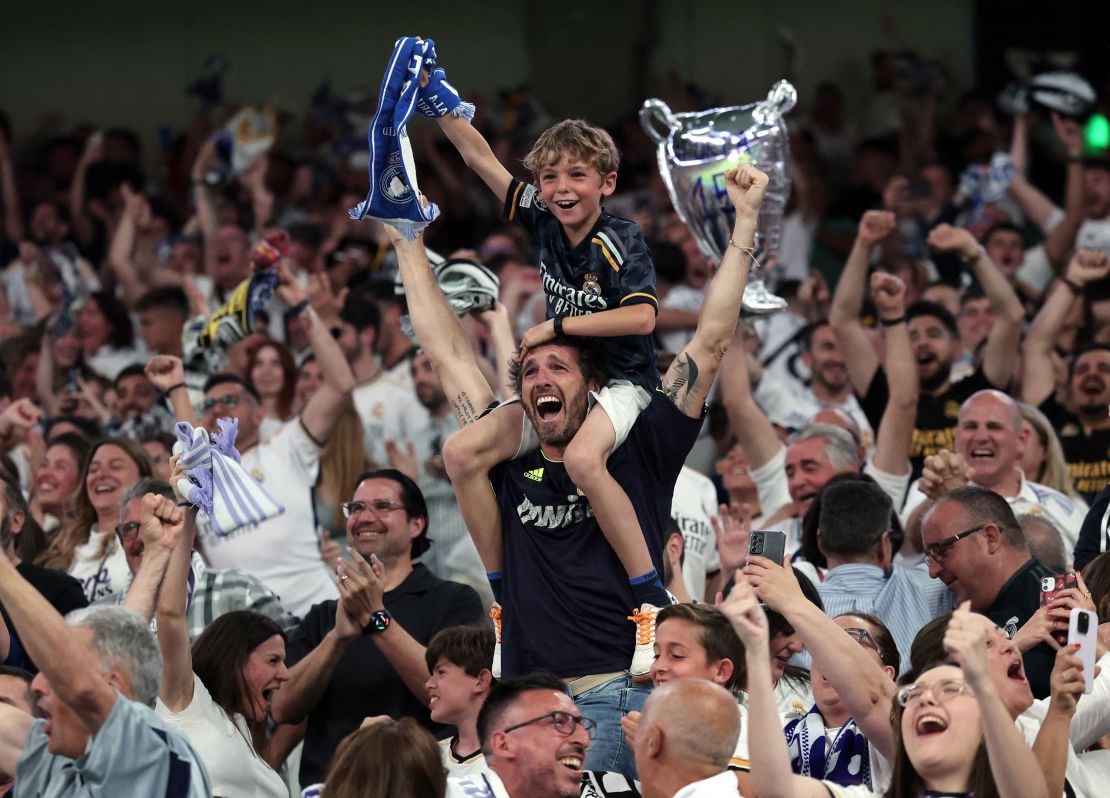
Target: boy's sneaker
x,y
644,618
495,613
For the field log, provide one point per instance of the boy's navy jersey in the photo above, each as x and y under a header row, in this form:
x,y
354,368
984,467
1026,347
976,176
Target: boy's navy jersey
x,y
609,268
566,597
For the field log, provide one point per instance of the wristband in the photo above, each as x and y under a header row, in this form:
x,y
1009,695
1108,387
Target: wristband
x,y
297,309
892,322
1075,287
379,622
750,250
558,320
175,386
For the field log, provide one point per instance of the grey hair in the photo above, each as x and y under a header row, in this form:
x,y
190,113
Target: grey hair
x,y
142,488
1044,540
122,637
840,449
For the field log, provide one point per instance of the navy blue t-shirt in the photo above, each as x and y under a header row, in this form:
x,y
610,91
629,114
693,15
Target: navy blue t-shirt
x,y
566,595
609,268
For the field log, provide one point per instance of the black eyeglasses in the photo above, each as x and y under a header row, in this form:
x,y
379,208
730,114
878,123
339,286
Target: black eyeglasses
x,y
865,638
227,400
128,532
936,552
564,723
378,507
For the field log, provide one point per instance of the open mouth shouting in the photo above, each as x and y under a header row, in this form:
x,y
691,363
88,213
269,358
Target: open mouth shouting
x,y
930,724
547,406
566,204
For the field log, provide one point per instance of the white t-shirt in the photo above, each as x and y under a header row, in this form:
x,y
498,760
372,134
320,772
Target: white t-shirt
x,y
458,768
284,552
389,412
791,406
224,746
685,298
100,575
694,503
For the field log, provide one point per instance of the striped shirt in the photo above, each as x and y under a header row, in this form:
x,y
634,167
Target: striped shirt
x,y
905,600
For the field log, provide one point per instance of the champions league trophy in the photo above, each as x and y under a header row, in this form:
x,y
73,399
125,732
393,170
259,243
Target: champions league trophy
x,y
694,154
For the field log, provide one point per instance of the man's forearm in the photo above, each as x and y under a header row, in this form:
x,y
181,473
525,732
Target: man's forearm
x,y
308,679
1061,240
142,595
721,308
334,369
895,434
407,658
847,300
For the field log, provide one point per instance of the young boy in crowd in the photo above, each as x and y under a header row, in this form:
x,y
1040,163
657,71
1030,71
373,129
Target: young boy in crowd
x,y
600,282
460,659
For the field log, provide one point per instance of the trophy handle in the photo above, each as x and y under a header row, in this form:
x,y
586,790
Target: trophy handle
x,y
657,113
780,99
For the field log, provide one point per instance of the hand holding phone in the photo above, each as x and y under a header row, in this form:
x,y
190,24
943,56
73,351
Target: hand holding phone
x,y
1083,629
769,543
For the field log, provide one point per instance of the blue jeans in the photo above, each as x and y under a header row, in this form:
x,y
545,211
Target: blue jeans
x,y
606,704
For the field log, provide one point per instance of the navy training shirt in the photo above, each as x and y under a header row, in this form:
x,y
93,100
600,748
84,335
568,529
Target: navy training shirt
x,y
611,267
566,597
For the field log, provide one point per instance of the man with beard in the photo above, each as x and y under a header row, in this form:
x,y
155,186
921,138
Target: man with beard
x,y
829,386
364,654
564,591
1081,421
933,335
136,411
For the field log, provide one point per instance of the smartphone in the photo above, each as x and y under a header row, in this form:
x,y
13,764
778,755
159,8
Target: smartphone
x,y
1083,629
1051,585
769,543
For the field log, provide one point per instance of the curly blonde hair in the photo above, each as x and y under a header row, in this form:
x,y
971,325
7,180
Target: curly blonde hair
x,y
575,138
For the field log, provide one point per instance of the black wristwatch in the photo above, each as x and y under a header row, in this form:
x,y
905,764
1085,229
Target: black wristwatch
x,y
379,622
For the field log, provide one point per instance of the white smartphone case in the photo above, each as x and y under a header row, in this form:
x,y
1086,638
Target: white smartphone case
x,y
1088,643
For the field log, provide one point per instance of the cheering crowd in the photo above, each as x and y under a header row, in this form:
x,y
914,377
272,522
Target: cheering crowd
x,y
519,458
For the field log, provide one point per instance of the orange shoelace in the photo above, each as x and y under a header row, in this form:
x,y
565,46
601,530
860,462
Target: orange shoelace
x,y
495,613
645,627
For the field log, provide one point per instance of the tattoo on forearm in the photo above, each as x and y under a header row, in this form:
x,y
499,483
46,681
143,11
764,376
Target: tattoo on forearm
x,y
680,380
464,409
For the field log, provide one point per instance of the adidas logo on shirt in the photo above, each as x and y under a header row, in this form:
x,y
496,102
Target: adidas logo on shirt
x,y
536,474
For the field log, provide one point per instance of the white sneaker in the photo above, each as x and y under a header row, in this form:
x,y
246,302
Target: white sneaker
x,y
644,655
495,614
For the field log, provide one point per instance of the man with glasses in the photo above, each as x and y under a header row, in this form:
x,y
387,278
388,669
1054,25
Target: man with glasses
x,y
211,592
363,655
535,741
974,545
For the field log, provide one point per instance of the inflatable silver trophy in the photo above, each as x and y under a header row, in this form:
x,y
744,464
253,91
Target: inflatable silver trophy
x,y
695,150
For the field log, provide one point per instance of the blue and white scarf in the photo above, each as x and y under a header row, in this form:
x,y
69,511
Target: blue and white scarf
x,y
394,196
847,763
219,487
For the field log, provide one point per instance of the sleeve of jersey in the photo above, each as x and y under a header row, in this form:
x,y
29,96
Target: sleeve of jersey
x,y
523,204
633,260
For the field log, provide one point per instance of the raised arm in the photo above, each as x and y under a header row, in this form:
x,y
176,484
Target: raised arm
x,y
1038,379
205,209
754,431
847,302
1061,239
1016,773
14,725
476,153
1002,347
1053,741
80,221
892,444
439,332
160,537
503,343
323,409
61,658
176,690
771,773
688,380
864,687
122,245
167,374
